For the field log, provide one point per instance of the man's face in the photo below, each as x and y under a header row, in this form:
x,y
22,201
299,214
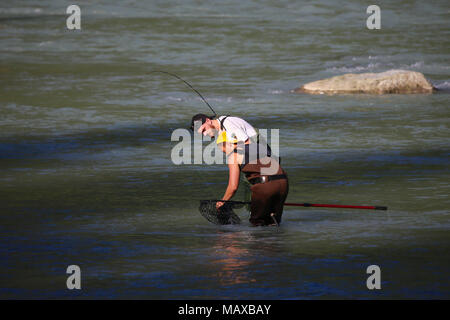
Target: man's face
x,y
207,129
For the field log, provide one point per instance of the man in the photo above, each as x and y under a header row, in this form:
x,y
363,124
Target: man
x,y
242,147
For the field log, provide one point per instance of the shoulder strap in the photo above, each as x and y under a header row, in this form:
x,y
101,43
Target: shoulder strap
x,y
222,127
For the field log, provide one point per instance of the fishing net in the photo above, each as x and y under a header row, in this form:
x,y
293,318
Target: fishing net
x,y
226,215
223,215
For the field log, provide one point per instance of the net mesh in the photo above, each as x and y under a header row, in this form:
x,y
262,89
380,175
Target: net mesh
x,y
224,215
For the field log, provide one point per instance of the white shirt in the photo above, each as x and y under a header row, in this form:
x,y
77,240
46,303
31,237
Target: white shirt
x,y
237,128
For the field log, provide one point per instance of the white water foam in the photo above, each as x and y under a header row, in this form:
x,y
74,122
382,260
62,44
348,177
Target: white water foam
x,y
275,91
346,69
443,86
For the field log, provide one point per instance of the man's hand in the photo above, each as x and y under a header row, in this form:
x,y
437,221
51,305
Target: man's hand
x,y
219,204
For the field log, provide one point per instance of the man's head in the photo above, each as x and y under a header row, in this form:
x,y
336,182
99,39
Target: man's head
x,y
199,117
207,127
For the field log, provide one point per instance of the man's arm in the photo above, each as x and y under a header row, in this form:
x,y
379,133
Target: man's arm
x,y
233,182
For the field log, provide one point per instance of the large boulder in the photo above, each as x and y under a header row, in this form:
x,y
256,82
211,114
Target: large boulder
x,y
392,81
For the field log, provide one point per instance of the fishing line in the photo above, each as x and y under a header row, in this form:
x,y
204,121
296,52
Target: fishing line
x,y
190,86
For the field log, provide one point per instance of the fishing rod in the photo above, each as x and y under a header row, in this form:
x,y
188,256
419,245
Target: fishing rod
x,y
190,86
311,205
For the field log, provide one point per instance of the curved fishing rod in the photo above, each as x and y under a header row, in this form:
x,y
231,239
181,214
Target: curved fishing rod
x,y
189,85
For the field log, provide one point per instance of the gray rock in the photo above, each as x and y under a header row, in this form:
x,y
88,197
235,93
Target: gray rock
x,y
392,81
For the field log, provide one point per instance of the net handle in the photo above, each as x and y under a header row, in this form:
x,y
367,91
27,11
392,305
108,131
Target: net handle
x,y
229,201
311,205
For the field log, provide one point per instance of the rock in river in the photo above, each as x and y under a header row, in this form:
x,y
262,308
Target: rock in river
x,y
392,81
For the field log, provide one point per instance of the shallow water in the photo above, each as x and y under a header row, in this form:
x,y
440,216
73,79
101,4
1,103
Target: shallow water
x,y
86,176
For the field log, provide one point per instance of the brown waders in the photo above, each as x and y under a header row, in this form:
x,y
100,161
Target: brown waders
x,y
269,192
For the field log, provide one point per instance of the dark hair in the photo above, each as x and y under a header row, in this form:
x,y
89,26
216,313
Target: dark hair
x,y
199,117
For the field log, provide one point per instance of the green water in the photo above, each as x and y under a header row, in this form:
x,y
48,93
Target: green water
x,y
86,176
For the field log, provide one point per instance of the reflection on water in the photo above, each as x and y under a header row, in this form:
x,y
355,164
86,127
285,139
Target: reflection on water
x,y
240,256
233,260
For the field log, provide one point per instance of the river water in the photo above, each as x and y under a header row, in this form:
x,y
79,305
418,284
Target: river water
x,y
86,176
